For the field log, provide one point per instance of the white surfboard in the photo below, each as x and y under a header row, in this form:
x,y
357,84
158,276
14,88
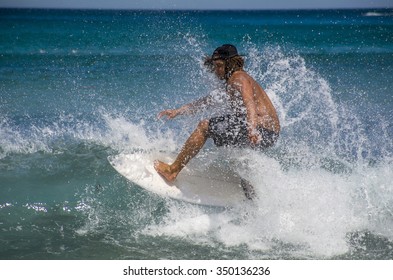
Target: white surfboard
x,y
206,186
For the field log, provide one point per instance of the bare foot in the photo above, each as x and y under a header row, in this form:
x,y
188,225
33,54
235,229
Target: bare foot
x,y
165,171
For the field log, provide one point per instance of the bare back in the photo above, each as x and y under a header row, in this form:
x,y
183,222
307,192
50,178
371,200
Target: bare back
x,y
246,94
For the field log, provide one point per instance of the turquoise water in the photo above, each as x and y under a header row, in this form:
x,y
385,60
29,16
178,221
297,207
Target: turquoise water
x,y
79,86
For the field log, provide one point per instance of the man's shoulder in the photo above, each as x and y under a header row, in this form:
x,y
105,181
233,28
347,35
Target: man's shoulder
x,y
240,76
240,73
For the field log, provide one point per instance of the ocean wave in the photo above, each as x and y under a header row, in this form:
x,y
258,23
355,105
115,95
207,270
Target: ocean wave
x,y
327,181
378,14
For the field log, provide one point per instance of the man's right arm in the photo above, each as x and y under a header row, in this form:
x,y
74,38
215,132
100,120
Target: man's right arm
x,y
190,108
197,105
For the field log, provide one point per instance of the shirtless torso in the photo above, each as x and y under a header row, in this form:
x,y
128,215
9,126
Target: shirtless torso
x,y
247,96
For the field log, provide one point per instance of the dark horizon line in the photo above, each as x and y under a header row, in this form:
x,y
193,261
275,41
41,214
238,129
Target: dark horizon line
x,y
193,10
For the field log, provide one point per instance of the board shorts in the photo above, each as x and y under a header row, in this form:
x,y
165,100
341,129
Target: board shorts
x,y
231,130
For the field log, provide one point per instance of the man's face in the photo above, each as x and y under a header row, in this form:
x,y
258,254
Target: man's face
x,y
219,68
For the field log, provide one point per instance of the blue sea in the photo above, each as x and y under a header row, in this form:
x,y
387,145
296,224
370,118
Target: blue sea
x,y
78,86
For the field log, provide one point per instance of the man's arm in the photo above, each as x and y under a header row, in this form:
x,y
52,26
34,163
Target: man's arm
x,y
189,108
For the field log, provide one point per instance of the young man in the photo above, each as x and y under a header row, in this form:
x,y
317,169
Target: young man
x,y
253,123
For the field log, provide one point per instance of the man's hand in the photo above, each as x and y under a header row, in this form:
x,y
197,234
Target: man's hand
x,y
254,136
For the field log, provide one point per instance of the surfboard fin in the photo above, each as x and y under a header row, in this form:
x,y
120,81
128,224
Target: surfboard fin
x,y
248,189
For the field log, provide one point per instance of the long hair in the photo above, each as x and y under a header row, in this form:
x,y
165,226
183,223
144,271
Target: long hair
x,y
233,64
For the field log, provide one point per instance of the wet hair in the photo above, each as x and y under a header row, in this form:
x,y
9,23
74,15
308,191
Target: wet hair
x,y
227,53
208,62
232,64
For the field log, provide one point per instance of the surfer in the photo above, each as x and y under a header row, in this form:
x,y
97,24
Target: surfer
x,y
253,122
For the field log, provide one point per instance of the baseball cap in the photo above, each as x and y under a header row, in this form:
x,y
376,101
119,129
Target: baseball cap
x,y
224,52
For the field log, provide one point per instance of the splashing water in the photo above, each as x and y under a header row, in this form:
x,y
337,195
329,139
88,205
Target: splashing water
x,y
324,191
313,195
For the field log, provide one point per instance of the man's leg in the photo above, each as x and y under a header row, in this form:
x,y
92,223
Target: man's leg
x,y
190,149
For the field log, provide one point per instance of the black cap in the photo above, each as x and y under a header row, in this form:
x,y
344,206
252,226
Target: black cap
x,y
224,52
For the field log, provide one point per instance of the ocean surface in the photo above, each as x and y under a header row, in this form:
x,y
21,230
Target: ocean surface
x,y
78,86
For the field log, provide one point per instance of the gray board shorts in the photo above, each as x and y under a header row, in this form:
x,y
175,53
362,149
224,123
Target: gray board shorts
x,y
231,130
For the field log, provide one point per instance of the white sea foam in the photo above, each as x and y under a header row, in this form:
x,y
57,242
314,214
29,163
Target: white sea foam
x,y
377,14
313,210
